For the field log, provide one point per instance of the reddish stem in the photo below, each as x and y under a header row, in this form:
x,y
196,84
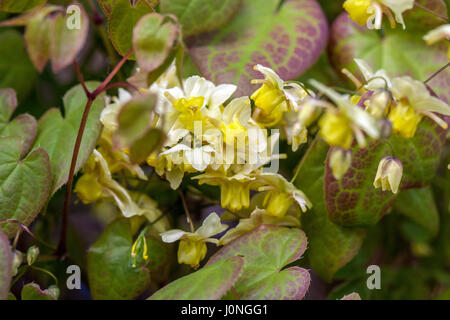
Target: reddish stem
x,y
62,247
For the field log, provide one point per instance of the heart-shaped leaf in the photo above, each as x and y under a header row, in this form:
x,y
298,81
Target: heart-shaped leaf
x,y
68,34
16,69
6,259
122,21
153,39
214,13
24,183
24,126
266,251
396,51
330,246
57,135
420,207
354,201
110,266
209,283
32,291
288,40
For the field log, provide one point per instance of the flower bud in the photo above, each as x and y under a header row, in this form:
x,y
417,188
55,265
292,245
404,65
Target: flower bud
x,y
32,255
340,161
385,128
191,252
389,174
17,261
379,103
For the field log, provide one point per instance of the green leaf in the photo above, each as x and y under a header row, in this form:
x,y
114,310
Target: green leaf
x,y
65,42
288,41
57,134
153,39
32,291
6,259
267,250
330,246
109,263
122,21
354,201
146,145
18,6
419,206
24,183
16,69
397,51
209,283
214,13
24,126
428,16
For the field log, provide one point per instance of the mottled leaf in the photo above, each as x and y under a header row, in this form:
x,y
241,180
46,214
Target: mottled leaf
x,y
420,207
110,266
397,51
153,38
266,251
65,42
122,21
24,183
32,291
57,134
213,13
330,246
16,69
24,126
427,14
288,41
209,283
354,201
6,259
352,296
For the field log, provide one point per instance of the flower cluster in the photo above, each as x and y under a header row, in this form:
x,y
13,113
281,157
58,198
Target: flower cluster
x,y
232,143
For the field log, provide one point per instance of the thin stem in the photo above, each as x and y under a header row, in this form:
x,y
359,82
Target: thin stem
x,y
436,73
47,272
430,11
116,69
300,165
120,85
61,250
80,78
188,215
25,228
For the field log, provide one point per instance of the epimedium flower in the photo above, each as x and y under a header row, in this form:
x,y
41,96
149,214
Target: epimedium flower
x,y
192,249
340,126
389,174
371,11
274,97
413,101
340,161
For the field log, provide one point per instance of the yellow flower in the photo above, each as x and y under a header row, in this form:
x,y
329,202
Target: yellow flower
x,y
190,112
404,120
192,249
277,203
358,10
389,174
191,252
88,189
438,34
271,102
335,129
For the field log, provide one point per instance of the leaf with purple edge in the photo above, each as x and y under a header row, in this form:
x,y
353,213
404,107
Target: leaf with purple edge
x,y
330,245
32,291
288,41
354,201
266,251
6,259
398,52
209,283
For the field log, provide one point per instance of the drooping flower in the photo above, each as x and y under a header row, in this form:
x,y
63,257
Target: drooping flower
x,y
438,34
340,161
413,101
192,249
389,174
370,12
339,126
